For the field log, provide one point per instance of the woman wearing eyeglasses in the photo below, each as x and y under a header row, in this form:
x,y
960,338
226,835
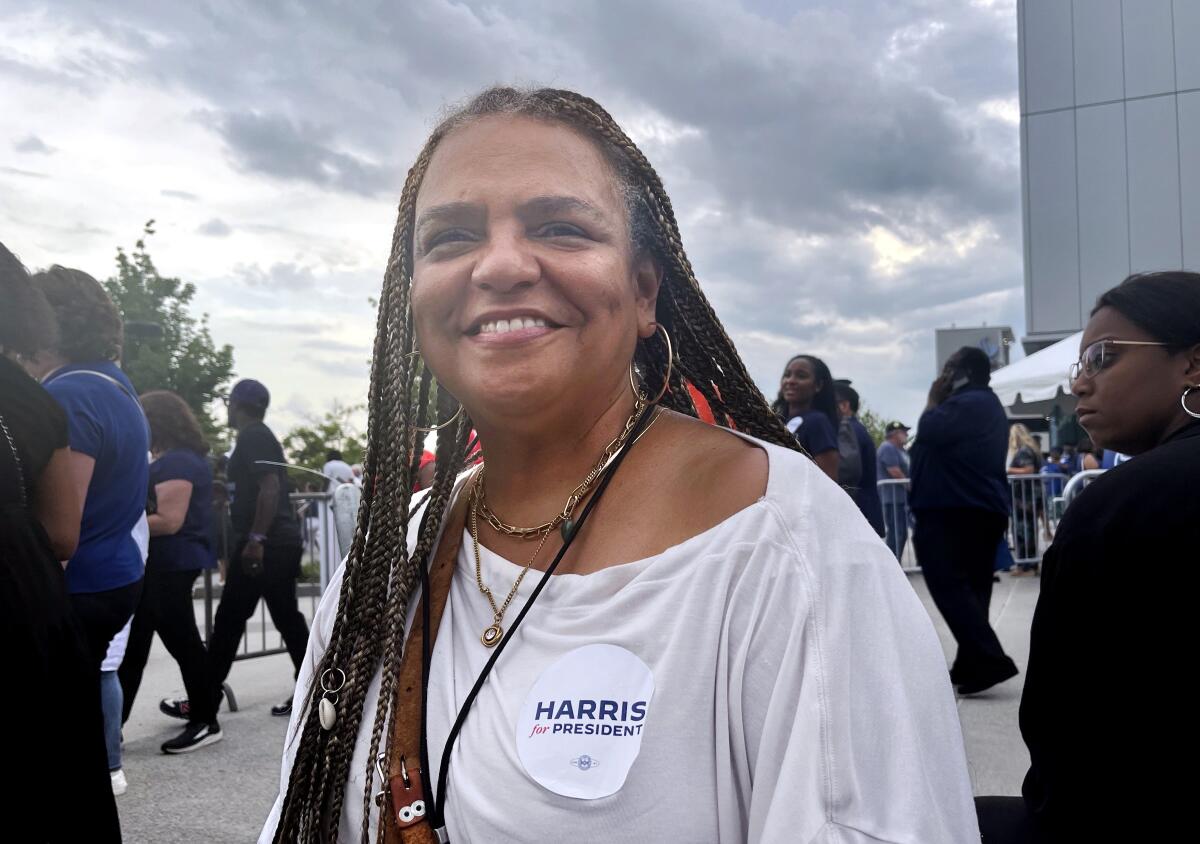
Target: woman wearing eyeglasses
x,y
1112,636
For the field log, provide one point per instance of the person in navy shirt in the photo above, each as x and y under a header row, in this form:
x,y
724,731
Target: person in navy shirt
x,y
806,403
960,503
180,548
109,443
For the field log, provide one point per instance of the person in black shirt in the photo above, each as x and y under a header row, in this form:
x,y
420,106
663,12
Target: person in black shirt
x,y
1103,714
56,732
265,558
960,502
863,484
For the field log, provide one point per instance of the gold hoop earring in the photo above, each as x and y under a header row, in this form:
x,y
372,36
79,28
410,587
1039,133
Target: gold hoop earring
x,y
658,326
445,424
1183,401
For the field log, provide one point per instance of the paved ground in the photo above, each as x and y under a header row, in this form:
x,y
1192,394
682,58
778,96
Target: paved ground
x,y
217,794
222,793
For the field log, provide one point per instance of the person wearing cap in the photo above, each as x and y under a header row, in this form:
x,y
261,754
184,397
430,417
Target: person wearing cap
x,y
892,464
266,551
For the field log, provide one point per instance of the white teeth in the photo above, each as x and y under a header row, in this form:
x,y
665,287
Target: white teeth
x,y
502,326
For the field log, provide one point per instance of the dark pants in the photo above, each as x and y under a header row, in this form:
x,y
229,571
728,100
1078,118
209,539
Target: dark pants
x,y
166,609
101,615
1006,820
276,585
1025,534
956,550
895,520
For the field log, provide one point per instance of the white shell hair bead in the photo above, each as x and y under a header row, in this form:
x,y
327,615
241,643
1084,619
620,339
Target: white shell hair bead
x,y
328,714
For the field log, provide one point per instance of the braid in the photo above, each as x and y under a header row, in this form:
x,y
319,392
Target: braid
x,y
380,575
718,363
378,556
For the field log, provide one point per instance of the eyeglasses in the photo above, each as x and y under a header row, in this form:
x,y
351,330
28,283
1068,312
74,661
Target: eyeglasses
x,y
1096,357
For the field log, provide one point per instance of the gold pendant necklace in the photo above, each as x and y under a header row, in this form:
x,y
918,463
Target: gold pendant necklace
x,y
494,632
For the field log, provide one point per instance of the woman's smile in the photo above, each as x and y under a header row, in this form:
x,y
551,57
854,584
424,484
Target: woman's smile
x,y
510,328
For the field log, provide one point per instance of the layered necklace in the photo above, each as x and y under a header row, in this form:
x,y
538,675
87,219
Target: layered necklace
x,y
563,520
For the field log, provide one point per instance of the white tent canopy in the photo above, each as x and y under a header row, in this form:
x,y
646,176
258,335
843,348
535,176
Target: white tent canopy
x,y
1039,376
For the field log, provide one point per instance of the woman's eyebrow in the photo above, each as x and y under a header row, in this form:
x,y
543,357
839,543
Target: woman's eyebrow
x,y
450,211
548,206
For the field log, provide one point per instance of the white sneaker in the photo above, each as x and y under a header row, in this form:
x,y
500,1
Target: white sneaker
x,y
119,783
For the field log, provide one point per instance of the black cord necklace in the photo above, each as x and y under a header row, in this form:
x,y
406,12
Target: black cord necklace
x,y
436,807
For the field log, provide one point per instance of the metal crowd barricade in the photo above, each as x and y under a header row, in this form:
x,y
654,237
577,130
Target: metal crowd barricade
x,y
1034,517
897,521
1075,486
1038,502
319,559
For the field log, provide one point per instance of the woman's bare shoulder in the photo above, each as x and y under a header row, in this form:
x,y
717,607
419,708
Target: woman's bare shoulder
x,y
718,471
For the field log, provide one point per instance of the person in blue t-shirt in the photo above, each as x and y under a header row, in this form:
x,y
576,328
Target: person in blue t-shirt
x,y
109,446
180,549
807,404
892,465
960,503
1053,467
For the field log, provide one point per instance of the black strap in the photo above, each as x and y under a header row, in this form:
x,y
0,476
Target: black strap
x,y
436,807
8,447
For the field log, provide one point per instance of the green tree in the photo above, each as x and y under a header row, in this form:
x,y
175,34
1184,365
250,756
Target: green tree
x,y
875,424
182,358
306,445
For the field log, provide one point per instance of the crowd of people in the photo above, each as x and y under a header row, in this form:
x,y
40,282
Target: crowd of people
x,y
108,502
599,615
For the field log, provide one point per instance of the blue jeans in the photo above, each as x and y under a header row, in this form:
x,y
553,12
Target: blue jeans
x,y
895,520
110,702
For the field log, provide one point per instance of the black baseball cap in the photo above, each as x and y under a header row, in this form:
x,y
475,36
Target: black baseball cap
x,y
895,426
251,393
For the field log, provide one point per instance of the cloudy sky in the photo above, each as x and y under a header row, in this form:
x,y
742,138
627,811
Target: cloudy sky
x,y
846,173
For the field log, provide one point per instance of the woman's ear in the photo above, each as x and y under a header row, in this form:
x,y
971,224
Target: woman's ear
x,y
1192,372
647,279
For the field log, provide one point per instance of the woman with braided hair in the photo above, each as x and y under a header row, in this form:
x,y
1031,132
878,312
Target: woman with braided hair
x,y
626,624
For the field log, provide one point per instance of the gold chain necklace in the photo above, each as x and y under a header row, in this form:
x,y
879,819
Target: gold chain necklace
x,y
494,632
563,518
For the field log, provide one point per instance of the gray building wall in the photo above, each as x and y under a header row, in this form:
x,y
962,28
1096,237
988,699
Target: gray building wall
x,y
1110,150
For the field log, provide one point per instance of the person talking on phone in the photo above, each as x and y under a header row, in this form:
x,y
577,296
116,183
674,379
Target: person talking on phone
x,y
960,504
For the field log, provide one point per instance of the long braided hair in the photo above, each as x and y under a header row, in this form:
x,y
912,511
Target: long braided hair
x,y
380,574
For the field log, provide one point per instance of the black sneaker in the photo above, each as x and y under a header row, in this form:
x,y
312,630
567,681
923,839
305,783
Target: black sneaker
x,y
175,707
194,736
181,709
283,710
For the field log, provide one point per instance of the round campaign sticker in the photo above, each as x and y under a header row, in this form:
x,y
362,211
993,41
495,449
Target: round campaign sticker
x,y
580,728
